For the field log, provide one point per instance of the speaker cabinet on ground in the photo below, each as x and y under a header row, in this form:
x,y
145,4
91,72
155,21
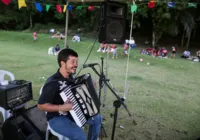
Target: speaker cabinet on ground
x,y
113,22
29,125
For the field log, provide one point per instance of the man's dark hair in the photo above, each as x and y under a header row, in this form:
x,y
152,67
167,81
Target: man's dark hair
x,y
64,54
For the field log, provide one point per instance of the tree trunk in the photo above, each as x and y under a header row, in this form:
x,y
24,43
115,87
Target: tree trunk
x,y
194,33
153,39
183,36
188,39
31,21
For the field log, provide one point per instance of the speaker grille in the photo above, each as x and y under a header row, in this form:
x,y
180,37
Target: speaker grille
x,y
113,28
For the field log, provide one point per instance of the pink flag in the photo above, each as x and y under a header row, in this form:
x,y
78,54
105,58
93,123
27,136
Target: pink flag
x,y
59,8
6,2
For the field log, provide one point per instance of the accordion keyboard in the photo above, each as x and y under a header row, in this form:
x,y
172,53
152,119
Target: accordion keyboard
x,y
76,111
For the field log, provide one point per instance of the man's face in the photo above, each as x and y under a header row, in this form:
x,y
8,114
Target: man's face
x,y
71,64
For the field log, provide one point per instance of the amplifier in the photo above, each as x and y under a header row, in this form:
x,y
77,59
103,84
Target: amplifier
x,y
29,125
15,94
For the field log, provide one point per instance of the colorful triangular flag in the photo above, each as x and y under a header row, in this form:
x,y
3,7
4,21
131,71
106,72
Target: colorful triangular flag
x,y
59,8
91,8
64,8
38,6
21,3
6,2
47,7
171,4
133,8
69,7
192,5
151,4
79,7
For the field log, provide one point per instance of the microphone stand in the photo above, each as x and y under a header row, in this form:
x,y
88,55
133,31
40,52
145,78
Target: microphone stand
x,y
117,103
101,77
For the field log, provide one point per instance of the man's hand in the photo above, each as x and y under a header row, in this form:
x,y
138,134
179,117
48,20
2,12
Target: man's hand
x,y
67,106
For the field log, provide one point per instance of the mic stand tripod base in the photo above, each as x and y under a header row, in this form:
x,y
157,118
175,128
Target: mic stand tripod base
x,y
117,105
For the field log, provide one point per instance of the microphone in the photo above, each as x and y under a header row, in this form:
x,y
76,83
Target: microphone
x,y
90,65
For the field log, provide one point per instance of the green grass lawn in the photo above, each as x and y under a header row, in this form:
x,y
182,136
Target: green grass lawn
x,y
163,97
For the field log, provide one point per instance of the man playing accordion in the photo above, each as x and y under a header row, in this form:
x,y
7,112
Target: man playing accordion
x,y
58,115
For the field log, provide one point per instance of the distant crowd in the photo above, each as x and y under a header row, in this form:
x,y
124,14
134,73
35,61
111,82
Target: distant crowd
x,y
159,52
112,48
162,52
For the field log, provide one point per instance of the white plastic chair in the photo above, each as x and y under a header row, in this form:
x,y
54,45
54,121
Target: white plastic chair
x,y
3,73
59,136
6,113
49,129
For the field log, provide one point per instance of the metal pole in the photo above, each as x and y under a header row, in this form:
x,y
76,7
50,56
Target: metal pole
x,y
66,25
106,75
130,37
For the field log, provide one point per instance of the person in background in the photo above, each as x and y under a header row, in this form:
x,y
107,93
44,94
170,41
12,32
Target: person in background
x,y
56,49
51,31
186,54
113,49
103,47
164,52
198,54
132,43
61,36
76,38
125,49
34,36
173,52
149,50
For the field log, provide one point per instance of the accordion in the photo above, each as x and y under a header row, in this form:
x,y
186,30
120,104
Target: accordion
x,y
84,98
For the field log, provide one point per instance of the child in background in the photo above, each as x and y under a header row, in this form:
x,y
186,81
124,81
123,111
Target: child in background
x,y
113,49
51,31
34,36
57,49
126,46
76,38
103,47
132,43
173,52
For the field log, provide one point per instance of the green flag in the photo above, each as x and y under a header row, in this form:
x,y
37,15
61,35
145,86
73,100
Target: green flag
x,y
133,8
79,7
47,7
192,5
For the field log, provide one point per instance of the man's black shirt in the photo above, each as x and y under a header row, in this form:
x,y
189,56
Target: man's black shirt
x,y
51,92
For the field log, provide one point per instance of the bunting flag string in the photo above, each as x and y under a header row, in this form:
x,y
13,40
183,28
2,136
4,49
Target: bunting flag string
x,y
150,3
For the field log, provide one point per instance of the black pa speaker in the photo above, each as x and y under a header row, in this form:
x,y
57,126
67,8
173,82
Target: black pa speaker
x,y
29,125
113,22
